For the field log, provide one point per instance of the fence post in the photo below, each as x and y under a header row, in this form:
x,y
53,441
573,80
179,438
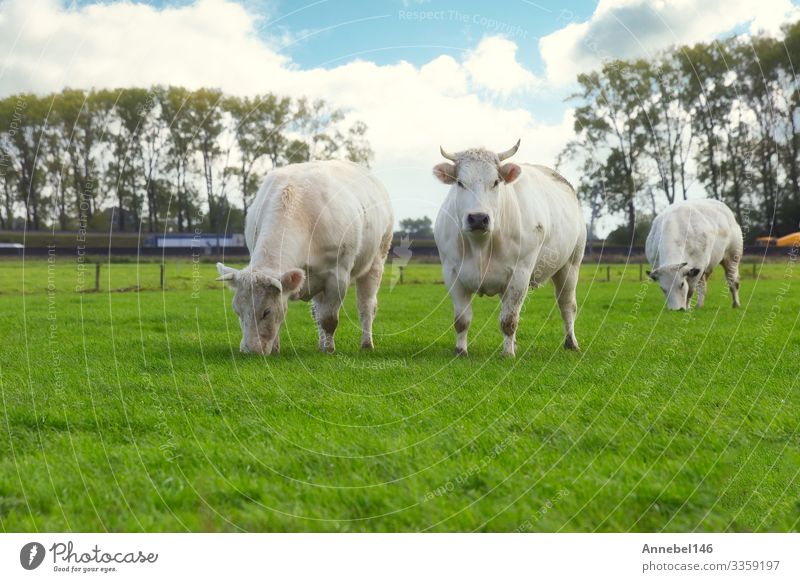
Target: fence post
x,y
401,274
754,270
97,276
608,274
641,269
161,265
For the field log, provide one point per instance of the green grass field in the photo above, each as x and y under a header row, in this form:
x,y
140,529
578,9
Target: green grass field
x,y
134,411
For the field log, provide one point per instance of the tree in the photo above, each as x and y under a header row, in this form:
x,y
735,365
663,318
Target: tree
x,y
711,93
57,173
161,153
83,120
181,134
611,124
787,98
728,110
204,108
258,126
124,169
23,121
11,109
153,136
416,228
319,126
356,144
669,144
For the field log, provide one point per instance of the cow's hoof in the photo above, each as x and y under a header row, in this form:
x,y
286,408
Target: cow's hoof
x,y
461,352
736,305
508,354
367,346
572,344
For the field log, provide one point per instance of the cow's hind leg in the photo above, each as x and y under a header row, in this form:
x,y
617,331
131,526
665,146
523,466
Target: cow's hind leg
x,y
367,286
731,267
326,306
565,281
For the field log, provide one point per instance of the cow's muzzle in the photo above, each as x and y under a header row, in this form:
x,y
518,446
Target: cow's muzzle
x,y
261,347
478,221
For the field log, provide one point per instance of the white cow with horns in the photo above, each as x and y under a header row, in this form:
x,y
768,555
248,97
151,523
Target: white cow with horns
x,y
686,242
503,227
311,229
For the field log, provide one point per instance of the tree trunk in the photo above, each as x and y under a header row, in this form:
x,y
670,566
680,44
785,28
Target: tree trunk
x,y
631,219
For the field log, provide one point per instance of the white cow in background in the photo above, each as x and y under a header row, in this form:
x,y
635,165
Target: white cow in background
x,y
686,242
502,228
311,228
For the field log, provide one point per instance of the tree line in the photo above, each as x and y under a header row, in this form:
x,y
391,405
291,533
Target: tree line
x,y
721,116
164,158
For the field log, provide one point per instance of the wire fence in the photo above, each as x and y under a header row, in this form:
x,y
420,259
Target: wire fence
x,y
66,275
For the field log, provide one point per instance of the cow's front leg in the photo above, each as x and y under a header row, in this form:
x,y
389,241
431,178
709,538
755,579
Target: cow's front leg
x,y
326,311
509,315
702,285
462,314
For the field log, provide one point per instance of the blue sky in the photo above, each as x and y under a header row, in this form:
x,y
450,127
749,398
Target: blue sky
x,y
389,31
420,31
419,73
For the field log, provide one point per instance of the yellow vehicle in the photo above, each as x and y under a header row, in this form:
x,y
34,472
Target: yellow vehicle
x,y
784,241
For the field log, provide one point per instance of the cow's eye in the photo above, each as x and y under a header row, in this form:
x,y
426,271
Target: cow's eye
x,y
460,184
265,314
496,183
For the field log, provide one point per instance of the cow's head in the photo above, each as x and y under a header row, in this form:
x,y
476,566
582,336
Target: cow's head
x,y
260,300
675,281
479,178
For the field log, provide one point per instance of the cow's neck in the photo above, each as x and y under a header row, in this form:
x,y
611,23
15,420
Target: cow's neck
x,y
672,247
277,249
481,248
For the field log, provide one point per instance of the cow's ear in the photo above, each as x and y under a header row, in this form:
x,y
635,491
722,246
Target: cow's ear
x,y
446,173
510,172
653,274
291,280
228,274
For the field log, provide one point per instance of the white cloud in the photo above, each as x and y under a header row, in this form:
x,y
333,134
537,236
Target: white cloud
x,y
633,28
410,110
493,65
46,46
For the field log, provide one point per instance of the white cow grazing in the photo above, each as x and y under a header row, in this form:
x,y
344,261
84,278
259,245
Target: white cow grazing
x,y
311,228
503,228
686,242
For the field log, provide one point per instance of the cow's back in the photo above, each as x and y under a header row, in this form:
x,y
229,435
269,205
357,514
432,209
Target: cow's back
x,y
700,232
326,209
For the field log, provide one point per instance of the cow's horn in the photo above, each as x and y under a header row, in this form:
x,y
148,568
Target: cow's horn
x,y
508,153
447,155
